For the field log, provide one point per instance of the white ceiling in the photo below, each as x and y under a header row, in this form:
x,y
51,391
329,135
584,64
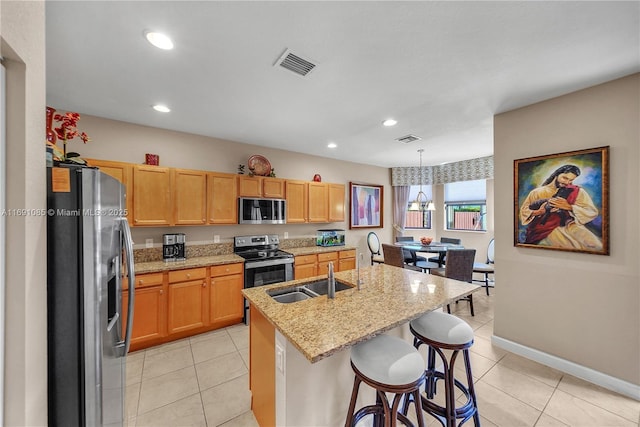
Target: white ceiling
x,y
442,69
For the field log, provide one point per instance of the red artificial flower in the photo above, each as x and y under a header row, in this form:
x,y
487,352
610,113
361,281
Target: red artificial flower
x,y
68,128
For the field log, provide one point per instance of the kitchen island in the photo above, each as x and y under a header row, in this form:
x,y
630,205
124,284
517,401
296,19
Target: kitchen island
x,y
300,372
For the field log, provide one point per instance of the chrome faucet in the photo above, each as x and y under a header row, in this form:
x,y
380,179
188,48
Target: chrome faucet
x,y
331,283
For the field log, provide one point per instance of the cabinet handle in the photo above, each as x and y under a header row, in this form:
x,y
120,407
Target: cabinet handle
x,y
141,281
188,276
161,292
204,285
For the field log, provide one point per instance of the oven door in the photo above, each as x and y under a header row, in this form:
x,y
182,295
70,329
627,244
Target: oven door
x,y
260,273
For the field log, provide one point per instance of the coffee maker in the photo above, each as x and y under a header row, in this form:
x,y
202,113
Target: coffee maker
x,y
173,247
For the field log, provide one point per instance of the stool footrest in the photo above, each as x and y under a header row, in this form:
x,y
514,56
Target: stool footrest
x,y
379,411
464,412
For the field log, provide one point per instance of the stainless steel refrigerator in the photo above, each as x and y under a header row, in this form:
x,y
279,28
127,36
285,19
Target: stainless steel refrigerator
x,y
89,250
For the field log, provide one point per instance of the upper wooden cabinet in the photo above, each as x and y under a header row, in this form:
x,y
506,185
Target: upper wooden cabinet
x,y
318,202
122,172
297,201
336,202
152,198
273,188
222,198
260,186
190,197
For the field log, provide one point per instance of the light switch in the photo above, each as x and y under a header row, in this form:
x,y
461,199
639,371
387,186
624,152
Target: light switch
x,y
216,238
286,234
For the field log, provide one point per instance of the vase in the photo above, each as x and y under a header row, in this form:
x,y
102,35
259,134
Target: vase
x,y
51,134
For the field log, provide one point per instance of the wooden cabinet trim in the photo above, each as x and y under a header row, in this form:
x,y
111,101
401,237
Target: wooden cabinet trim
x,y
188,274
226,269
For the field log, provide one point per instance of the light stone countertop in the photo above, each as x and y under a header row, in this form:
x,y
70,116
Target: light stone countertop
x,y
310,250
204,261
389,297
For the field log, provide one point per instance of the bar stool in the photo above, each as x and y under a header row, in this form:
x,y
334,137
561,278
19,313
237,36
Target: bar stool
x,y
440,331
389,365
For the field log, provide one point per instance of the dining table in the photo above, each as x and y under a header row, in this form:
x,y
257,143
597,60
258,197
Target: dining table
x,y
434,247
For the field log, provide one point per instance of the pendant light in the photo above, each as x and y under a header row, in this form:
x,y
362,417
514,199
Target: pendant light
x,y
421,202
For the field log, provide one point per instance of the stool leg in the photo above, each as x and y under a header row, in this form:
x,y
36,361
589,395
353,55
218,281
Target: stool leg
x,y
486,282
471,387
417,402
449,379
471,304
389,421
430,383
352,404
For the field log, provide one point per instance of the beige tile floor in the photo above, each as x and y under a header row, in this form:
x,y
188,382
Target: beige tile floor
x,y
203,381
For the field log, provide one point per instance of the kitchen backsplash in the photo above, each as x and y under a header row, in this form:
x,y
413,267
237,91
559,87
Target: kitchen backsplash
x,y
212,249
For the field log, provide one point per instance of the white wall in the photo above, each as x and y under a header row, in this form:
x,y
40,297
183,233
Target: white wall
x,y
22,44
582,308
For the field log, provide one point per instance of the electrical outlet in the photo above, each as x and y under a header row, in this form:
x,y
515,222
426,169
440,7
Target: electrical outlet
x,y
148,243
216,238
286,234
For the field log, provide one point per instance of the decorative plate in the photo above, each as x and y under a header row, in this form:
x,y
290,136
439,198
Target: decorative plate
x,y
259,165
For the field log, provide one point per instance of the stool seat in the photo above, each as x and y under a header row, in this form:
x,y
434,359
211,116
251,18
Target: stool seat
x,y
442,328
388,365
388,360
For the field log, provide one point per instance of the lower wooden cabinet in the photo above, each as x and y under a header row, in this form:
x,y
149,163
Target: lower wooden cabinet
x,y
226,301
347,260
318,264
150,308
187,304
176,304
305,266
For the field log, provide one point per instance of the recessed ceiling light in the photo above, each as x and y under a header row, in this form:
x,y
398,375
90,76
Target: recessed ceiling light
x,y
159,40
161,108
332,145
389,122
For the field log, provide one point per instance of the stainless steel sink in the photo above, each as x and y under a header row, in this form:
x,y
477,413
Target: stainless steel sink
x,y
293,296
305,291
321,286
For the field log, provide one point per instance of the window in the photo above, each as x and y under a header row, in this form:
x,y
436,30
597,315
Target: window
x,y
465,205
418,219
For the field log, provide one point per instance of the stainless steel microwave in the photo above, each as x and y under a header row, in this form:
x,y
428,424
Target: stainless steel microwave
x,y
261,211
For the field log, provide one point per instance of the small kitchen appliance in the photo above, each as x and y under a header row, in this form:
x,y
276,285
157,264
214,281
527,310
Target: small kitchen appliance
x,y
173,247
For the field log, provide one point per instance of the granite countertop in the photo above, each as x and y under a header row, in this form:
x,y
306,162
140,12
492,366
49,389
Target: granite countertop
x,y
203,261
310,250
389,297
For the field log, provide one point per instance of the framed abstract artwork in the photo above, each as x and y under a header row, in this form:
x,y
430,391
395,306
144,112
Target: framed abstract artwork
x,y
365,202
561,201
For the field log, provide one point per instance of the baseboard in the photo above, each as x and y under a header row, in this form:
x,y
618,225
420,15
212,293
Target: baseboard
x,y
587,374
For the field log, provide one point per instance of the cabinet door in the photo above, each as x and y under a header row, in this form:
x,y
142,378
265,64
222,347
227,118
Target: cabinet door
x,y
151,196
296,201
222,198
249,186
187,305
190,197
336,202
227,303
304,266
148,314
323,262
123,173
273,188
318,202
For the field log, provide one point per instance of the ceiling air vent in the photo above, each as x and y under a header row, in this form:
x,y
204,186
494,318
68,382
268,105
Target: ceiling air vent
x,y
296,63
408,138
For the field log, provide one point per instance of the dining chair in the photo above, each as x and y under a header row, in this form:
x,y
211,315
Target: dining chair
x,y
394,256
374,247
410,256
486,268
442,257
459,266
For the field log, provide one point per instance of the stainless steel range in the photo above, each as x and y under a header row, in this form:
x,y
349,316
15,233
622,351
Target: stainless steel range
x,y
264,263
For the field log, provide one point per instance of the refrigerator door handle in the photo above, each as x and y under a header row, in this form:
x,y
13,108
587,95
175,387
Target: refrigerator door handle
x,y
128,246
